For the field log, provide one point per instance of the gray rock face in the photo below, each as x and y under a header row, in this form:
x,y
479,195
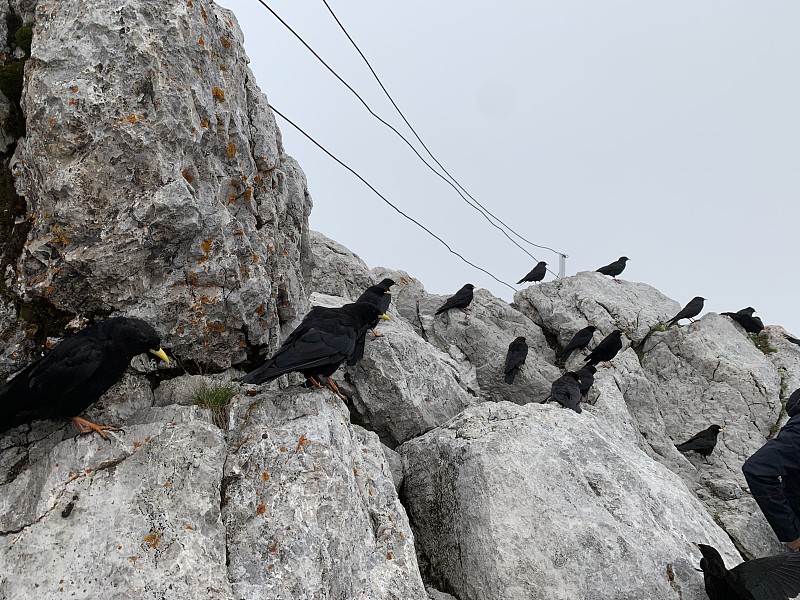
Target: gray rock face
x,y
147,141
567,305
310,506
337,271
137,518
538,502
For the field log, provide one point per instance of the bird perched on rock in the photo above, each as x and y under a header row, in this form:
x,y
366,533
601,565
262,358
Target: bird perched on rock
x,y
459,300
579,341
793,340
691,310
75,373
614,268
607,348
517,353
703,443
768,578
320,344
746,319
586,379
536,274
566,391
380,296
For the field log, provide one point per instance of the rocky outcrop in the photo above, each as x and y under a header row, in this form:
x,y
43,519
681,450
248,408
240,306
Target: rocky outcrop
x,y
540,502
149,142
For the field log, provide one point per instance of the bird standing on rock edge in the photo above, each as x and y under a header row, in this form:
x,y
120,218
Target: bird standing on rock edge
x,y
566,391
517,353
460,300
691,310
703,443
536,274
614,268
74,374
607,348
579,341
380,296
768,578
319,345
746,319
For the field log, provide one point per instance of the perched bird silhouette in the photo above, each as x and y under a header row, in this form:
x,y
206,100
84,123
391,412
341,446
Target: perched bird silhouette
x,y
459,300
586,379
614,268
380,296
769,578
691,310
746,319
607,348
75,373
536,274
566,391
579,341
319,345
517,353
794,340
703,443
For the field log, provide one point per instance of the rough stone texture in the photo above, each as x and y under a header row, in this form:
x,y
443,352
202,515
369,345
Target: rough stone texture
x,y
539,502
337,271
566,305
148,141
310,506
145,519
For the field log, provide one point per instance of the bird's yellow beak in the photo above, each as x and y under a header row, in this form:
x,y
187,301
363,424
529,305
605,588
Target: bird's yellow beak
x,y
388,292
160,354
384,317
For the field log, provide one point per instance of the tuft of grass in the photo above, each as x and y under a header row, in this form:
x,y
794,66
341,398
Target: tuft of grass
x,y
762,343
215,396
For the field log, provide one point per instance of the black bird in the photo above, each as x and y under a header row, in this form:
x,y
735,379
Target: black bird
x,y
746,319
536,274
614,268
459,300
691,310
517,353
75,373
579,341
768,578
586,379
380,296
703,443
320,344
566,391
794,340
606,349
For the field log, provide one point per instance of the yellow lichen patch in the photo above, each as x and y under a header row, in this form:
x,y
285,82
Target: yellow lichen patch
x,y
261,308
264,476
205,246
261,508
223,68
226,43
137,444
218,93
204,123
153,539
132,119
167,484
73,89
232,198
204,14
389,556
190,527
248,193
201,42
302,443
189,3
187,176
231,149
216,327
133,559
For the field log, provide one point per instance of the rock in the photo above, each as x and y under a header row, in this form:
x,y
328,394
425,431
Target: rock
x,y
337,271
158,150
310,507
539,502
567,305
139,516
395,465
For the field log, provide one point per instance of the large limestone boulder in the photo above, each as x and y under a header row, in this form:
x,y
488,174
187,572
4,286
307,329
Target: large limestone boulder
x,y
135,518
155,178
310,506
535,501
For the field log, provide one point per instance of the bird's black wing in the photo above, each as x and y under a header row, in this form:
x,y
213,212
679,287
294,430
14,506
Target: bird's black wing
x,y
315,348
772,577
461,298
697,443
517,353
579,340
68,366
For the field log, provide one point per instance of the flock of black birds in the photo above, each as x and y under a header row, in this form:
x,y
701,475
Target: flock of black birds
x,y
80,369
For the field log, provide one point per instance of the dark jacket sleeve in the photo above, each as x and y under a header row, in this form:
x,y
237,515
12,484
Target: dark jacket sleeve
x,y
765,470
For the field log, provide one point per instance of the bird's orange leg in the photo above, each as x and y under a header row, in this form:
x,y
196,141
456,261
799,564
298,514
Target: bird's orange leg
x,y
85,426
376,334
335,389
313,382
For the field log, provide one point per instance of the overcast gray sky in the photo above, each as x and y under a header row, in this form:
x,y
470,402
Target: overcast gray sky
x,y
665,131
